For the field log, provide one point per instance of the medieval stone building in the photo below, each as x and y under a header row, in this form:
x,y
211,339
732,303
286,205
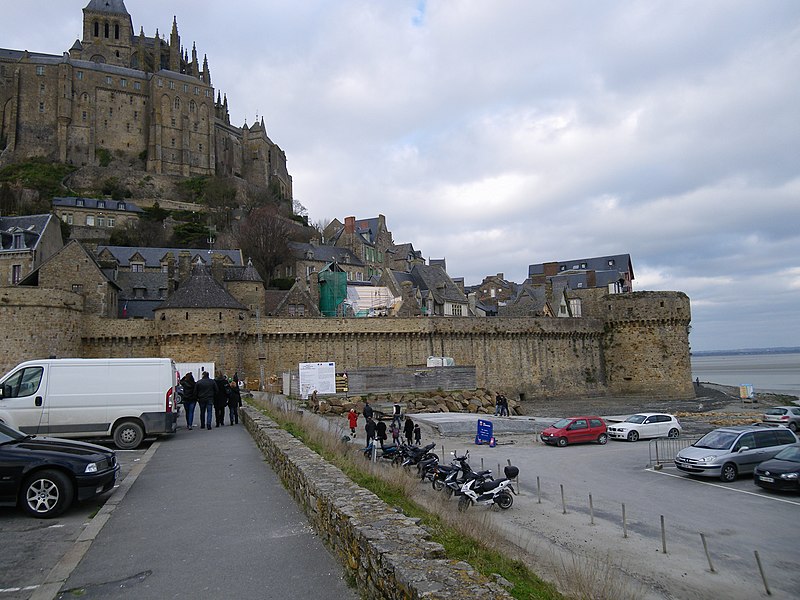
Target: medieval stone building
x,y
116,95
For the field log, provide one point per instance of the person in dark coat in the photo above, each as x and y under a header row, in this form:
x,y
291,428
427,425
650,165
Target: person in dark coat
x,y
234,401
417,434
221,398
367,412
380,432
369,427
206,391
188,398
408,430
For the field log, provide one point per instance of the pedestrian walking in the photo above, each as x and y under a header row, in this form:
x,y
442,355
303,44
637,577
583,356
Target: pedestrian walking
x,y
189,397
234,401
367,412
395,434
397,415
314,401
417,434
369,427
503,406
408,430
221,398
352,418
380,432
498,404
205,390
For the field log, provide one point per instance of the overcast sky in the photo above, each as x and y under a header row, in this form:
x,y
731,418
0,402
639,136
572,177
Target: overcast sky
x,y
505,133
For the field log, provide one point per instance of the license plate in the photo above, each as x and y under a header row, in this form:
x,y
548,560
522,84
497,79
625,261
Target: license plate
x,y
767,479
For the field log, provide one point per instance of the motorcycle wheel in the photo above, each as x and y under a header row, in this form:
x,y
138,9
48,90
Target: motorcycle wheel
x,y
463,503
504,500
449,491
437,484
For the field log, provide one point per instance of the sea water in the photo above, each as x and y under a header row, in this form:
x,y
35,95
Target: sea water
x,y
778,373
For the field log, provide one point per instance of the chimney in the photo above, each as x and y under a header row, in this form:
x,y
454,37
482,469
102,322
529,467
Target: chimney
x,y
550,269
501,275
218,267
184,265
591,279
350,225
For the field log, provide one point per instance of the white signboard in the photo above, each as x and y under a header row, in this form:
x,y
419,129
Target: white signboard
x,y
317,376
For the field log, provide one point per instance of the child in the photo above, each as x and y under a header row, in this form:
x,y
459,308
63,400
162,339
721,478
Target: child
x,y
395,434
417,434
352,417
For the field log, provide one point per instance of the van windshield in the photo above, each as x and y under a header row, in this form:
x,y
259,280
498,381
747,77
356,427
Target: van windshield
x,y
717,440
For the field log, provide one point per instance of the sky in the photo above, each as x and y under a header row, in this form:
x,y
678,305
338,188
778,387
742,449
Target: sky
x,y
502,134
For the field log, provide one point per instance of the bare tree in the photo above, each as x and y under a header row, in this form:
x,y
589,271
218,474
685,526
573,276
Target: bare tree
x,y
264,238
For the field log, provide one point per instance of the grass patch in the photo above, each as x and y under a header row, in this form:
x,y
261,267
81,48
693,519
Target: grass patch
x,y
465,537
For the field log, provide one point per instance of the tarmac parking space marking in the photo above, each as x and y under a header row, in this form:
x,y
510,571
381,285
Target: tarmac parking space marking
x,y
720,486
27,588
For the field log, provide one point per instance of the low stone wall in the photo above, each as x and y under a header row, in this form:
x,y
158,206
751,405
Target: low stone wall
x,y
388,555
461,401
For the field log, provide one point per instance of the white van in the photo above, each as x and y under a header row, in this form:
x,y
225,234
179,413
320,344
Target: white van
x,y
125,398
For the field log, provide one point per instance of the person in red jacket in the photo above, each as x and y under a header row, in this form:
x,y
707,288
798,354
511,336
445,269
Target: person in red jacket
x,y
352,417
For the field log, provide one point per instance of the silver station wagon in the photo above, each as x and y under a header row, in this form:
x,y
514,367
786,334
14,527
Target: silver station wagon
x,y
729,451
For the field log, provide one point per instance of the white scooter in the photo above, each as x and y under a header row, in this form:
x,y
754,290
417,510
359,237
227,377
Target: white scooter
x,y
497,491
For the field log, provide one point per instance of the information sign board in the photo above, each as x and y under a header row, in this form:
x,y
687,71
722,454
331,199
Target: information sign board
x,y
319,376
484,434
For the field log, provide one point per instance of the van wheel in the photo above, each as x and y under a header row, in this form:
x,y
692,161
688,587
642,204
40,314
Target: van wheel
x,y
128,435
728,472
47,494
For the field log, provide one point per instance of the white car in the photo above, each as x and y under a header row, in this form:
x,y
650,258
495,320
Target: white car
x,y
645,425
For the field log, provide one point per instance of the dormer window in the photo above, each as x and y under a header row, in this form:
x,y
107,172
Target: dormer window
x,y
583,265
610,262
19,242
101,204
79,202
137,267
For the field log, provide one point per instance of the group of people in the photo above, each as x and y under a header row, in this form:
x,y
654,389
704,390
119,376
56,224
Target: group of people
x,y
211,394
378,430
500,405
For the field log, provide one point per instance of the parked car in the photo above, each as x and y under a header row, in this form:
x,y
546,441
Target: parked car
x,y
783,415
645,425
781,472
729,451
46,475
574,430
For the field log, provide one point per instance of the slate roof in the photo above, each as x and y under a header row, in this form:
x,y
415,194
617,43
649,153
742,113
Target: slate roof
x,y
246,273
116,7
31,226
201,290
325,253
434,280
108,204
616,262
273,299
153,256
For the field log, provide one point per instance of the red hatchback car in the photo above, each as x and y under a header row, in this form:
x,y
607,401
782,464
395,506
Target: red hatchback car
x,y
574,430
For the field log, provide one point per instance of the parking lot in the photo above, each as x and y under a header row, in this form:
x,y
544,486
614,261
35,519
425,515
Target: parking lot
x,y
31,547
736,518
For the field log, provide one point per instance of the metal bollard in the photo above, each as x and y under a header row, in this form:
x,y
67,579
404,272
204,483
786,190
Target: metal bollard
x,y
538,490
663,536
563,502
591,511
482,468
374,453
763,575
708,555
624,523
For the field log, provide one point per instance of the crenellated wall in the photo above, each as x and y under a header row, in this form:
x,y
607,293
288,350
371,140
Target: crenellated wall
x,y
641,349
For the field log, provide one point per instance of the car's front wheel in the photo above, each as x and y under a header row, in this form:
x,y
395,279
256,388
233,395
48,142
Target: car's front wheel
x,y
562,441
602,439
673,433
793,427
633,436
47,494
728,472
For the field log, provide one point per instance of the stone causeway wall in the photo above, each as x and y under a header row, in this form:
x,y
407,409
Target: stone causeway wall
x,y
388,554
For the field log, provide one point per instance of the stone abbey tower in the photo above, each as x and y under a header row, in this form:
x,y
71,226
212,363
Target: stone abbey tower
x,y
119,94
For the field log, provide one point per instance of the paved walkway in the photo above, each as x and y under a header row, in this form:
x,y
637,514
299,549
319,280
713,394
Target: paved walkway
x,y
207,518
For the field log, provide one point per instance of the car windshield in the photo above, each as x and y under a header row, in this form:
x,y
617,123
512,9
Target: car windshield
x,y
791,454
561,423
775,411
636,419
8,434
717,440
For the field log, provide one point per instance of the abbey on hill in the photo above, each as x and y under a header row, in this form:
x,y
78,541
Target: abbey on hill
x,y
144,100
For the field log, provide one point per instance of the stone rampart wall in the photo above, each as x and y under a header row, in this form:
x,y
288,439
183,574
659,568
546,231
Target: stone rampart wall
x,y
388,554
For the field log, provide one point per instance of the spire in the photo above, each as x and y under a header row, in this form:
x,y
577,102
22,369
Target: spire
x,y
206,72
174,33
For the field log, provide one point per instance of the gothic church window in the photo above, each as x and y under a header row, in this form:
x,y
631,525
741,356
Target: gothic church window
x,y
96,29
116,33
192,106
105,30
40,70
177,103
79,75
